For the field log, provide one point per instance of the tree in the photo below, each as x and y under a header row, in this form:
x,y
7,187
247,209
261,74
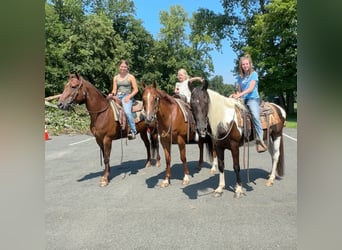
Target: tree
x,y
56,34
216,83
268,31
272,41
175,48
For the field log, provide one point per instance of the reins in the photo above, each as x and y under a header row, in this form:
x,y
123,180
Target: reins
x,y
228,131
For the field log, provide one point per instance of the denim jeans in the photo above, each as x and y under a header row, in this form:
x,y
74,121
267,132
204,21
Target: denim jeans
x,y
127,106
253,105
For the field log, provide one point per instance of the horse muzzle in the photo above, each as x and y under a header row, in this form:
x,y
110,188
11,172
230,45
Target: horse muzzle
x,y
63,106
149,119
202,132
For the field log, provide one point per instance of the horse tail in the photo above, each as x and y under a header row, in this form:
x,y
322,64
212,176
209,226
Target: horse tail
x,y
281,164
209,147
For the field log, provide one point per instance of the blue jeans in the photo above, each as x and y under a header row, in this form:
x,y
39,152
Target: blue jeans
x,y
127,106
253,105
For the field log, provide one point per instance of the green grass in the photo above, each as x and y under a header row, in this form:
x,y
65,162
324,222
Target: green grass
x,y
291,121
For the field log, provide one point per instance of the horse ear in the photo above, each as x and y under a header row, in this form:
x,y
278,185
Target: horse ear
x,y
154,84
205,85
143,84
77,75
191,87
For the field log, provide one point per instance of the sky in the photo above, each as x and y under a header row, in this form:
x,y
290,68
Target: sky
x,y
148,12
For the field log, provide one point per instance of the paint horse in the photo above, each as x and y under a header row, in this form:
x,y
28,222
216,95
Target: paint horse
x,y
226,122
103,123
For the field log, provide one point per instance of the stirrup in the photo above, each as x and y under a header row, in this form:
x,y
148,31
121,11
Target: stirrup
x,y
261,146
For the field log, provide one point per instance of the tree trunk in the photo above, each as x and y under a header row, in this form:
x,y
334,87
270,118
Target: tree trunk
x,y
290,102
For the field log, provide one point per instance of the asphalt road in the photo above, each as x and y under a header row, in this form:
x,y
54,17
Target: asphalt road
x,y
134,212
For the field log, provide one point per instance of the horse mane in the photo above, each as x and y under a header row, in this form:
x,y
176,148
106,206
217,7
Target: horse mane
x,y
226,101
222,109
166,96
89,83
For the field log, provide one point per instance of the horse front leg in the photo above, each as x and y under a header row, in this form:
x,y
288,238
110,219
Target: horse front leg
x,y
106,149
200,147
182,151
236,165
167,151
222,183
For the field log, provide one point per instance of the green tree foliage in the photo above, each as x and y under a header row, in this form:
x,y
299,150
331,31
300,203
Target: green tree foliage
x,y
216,83
268,31
273,42
175,48
92,36
56,35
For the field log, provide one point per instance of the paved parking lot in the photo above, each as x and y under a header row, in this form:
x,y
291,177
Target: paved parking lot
x,y
134,212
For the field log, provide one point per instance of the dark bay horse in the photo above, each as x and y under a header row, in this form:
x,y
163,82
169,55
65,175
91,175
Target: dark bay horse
x,y
222,114
103,124
172,127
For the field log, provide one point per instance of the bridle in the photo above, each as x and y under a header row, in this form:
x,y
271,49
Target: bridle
x,y
75,94
156,101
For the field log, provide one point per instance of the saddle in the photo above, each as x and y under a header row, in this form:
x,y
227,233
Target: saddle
x,y
268,117
119,114
188,116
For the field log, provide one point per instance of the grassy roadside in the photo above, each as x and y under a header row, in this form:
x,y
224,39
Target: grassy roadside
x,y
75,121
291,121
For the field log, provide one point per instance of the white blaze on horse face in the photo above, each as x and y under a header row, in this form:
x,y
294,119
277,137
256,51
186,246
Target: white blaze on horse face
x,y
148,104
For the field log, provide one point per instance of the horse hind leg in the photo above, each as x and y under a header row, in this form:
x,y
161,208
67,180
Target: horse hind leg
x,y
144,137
214,166
235,152
275,151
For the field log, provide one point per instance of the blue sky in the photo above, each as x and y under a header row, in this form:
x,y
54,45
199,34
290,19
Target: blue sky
x,y
148,12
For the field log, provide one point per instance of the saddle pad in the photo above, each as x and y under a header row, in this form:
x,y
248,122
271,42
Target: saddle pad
x,y
268,116
115,109
137,110
182,104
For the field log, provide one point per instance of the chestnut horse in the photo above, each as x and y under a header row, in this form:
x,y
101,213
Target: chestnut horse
x,y
172,127
103,124
222,114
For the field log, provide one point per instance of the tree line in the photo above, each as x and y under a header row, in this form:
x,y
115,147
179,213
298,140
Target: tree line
x,y
92,36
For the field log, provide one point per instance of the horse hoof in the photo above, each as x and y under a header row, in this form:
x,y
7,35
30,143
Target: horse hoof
x,y
212,172
104,182
158,164
186,182
269,183
164,183
237,195
217,194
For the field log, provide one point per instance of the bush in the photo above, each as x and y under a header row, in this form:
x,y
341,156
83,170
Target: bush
x,y
75,121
